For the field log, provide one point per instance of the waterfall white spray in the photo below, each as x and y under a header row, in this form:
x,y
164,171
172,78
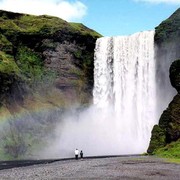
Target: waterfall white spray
x,y
124,109
125,82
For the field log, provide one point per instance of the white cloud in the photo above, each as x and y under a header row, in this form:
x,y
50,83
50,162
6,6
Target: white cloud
x,y
61,8
160,1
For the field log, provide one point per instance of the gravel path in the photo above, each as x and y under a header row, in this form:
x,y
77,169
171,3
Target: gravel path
x,y
123,168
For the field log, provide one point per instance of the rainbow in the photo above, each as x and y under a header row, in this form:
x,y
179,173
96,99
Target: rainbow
x,y
20,112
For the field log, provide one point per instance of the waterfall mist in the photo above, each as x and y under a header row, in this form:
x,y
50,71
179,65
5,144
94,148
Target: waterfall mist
x,y
165,55
124,109
91,130
131,89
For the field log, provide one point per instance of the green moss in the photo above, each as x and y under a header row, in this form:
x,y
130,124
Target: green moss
x,y
158,139
32,25
168,28
43,25
26,38
5,45
7,64
171,150
30,63
85,30
9,25
168,129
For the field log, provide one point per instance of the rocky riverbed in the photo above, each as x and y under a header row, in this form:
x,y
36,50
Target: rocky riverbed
x,y
138,167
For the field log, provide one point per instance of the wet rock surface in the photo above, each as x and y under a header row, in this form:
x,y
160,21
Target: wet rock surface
x,y
104,168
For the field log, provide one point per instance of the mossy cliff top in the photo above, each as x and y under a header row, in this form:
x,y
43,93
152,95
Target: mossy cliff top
x,y
46,64
38,49
169,29
41,25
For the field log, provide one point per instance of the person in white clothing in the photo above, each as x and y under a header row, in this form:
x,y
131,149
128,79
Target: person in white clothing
x,y
76,154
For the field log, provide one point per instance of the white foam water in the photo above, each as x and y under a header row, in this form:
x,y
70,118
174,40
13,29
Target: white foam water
x,y
124,81
124,109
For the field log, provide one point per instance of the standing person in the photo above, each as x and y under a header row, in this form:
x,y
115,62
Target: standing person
x,y
76,154
81,154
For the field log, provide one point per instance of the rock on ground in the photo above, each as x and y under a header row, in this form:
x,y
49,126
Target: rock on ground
x,y
104,168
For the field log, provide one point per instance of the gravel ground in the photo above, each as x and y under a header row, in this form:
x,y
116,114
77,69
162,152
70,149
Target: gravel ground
x,y
105,168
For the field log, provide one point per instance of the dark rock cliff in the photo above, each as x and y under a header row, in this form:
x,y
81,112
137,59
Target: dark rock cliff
x,y
168,129
167,38
45,54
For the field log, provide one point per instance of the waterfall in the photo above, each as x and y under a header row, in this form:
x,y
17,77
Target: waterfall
x,y
129,78
124,81
124,101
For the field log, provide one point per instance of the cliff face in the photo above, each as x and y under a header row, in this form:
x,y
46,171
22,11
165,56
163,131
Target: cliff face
x,y
168,129
45,55
167,38
46,66
175,75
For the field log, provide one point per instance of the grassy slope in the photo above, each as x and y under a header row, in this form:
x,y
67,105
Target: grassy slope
x,y
85,30
21,46
13,25
40,24
171,152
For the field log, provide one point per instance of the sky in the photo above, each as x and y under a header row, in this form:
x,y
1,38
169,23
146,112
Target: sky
x,y
108,17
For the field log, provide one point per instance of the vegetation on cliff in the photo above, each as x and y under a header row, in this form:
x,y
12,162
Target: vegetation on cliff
x,y
165,138
171,150
45,63
168,29
175,75
165,135
25,41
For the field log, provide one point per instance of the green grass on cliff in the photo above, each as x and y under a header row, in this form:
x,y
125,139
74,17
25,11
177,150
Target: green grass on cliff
x,y
31,24
30,65
168,28
85,30
24,39
43,25
171,151
5,45
16,28
7,64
